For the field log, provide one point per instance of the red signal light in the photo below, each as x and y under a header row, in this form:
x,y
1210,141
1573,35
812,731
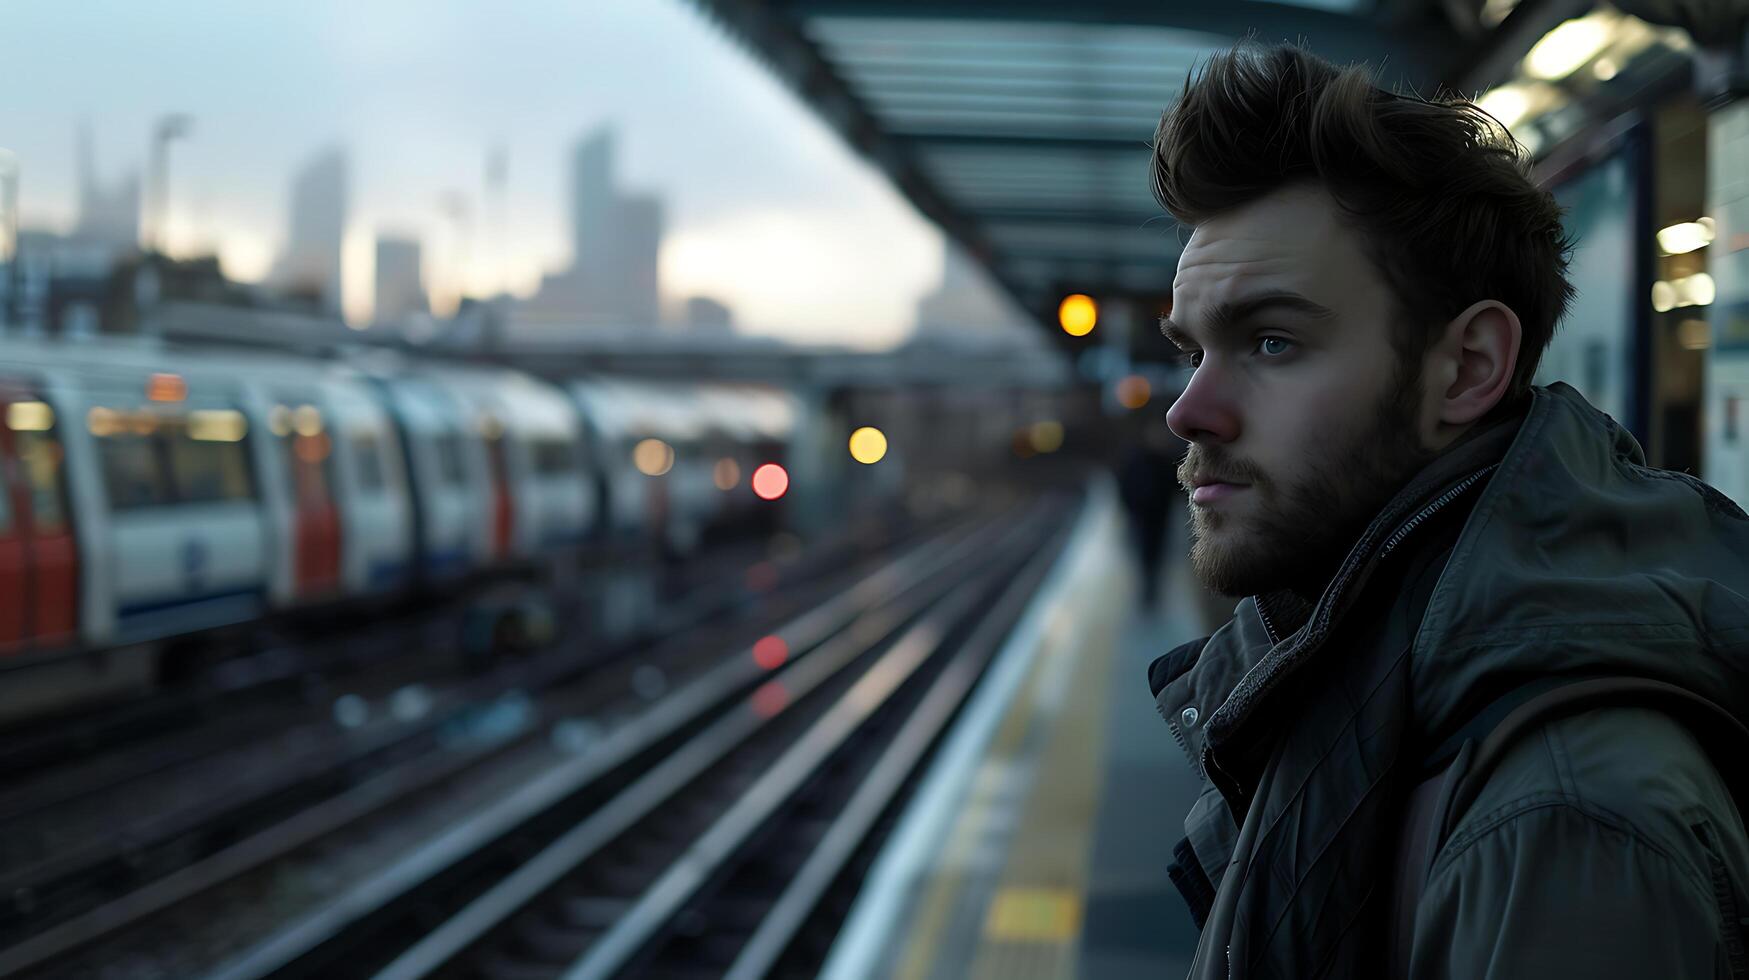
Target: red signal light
x,y
770,481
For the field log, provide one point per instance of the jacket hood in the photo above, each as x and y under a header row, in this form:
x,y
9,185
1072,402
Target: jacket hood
x,y
1579,559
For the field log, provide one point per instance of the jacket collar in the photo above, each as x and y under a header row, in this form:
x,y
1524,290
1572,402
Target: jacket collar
x,y
1208,690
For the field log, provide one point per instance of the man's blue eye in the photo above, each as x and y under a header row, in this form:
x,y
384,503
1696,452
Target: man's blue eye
x,y
1193,358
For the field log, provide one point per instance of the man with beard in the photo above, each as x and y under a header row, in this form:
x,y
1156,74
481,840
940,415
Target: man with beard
x,y
1419,535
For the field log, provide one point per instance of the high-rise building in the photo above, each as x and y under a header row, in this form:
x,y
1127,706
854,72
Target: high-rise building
x,y
107,215
615,239
629,292
309,267
8,211
400,288
592,201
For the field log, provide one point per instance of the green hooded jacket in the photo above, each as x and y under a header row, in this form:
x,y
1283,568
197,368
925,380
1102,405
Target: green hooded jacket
x,y
1605,845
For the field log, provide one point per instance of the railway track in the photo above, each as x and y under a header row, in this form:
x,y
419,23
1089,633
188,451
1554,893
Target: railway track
x,y
302,653
174,858
707,834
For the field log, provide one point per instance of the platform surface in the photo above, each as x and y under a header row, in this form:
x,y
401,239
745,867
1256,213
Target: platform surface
x,y
1044,855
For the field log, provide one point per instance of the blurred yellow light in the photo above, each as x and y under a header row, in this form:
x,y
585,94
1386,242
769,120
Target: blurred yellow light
x,y
1134,391
653,457
726,474
307,421
1682,238
1078,314
279,420
102,422
29,417
868,445
1663,296
1695,290
222,425
166,388
1694,335
1564,49
1047,437
1605,69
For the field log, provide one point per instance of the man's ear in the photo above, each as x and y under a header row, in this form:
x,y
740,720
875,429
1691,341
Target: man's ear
x,y
1474,362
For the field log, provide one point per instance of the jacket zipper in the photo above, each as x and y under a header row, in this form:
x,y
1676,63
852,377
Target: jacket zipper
x,y
1268,625
1402,532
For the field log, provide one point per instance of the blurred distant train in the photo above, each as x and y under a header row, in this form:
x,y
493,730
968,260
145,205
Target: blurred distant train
x,y
155,492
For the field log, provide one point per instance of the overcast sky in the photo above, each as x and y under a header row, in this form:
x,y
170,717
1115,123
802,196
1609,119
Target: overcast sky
x,y
766,209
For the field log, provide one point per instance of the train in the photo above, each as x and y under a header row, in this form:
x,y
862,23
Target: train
x,y
156,492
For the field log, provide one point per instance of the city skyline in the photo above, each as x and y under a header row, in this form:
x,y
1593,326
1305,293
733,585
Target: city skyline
x,y
762,207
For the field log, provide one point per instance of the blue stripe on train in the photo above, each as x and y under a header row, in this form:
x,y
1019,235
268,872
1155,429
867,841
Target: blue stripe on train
x,y
387,574
565,538
443,564
185,614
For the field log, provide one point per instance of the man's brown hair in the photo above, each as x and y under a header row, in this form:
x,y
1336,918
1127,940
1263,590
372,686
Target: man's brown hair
x,y
1438,189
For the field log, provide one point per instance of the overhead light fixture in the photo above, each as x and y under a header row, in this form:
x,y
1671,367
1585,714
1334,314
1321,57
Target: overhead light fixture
x,y
1508,103
1663,296
1695,290
1685,236
1563,50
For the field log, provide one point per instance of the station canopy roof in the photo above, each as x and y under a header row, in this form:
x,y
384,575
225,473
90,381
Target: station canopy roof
x,y
1022,127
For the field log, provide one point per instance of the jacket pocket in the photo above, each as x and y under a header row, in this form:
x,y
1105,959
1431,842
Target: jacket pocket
x,y
1730,917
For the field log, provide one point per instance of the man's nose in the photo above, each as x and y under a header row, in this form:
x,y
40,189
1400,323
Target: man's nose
x,y
1206,410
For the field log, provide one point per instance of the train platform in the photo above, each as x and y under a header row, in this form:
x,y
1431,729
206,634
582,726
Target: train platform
x,y
1036,845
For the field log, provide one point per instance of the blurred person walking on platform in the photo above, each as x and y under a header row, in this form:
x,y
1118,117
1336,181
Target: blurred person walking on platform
x,y
1423,542
1148,483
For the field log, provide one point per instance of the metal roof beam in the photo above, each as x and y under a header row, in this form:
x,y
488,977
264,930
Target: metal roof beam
x,y
1415,52
932,138
1115,220
1490,61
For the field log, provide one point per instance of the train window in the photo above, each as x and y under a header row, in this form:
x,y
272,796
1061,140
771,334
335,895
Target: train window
x,y
209,470
449,459
41,455
133,471
367,452
553,457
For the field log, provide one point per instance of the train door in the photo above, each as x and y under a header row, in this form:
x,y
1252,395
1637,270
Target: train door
x,y
503,507
309,452
39,558
14,569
